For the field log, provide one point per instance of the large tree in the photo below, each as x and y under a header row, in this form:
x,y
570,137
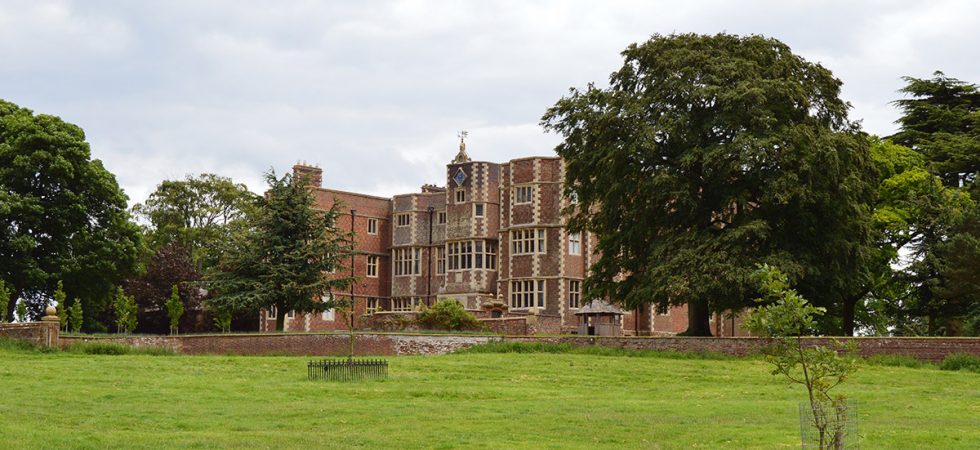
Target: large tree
x,y
707,155
290,259
62,214
941,120
170,266
200,213
913,209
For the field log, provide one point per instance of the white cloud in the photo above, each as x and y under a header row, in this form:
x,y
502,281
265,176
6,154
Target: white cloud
x,y
375,91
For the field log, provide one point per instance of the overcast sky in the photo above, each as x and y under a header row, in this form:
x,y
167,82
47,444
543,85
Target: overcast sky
x,y
374,92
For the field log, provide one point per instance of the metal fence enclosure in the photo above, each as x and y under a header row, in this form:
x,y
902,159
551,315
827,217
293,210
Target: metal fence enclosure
x,y
347,369
829,426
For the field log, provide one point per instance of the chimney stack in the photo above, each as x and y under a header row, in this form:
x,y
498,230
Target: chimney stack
x,y
312,174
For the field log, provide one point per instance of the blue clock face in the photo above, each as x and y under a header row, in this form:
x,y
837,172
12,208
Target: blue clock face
x,y
459,178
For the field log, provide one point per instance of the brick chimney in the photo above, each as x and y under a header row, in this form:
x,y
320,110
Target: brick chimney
x,y
313,174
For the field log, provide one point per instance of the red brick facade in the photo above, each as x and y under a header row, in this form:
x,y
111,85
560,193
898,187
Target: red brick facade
x,y
493,238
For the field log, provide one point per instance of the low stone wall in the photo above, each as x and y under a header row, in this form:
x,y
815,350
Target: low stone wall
x,y
924,348
325,344
44,334
297,344
507,325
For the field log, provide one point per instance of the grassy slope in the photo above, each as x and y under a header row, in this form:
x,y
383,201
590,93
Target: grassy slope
x,y
66,400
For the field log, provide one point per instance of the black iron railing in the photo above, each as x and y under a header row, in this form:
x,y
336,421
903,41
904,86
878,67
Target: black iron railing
x,y
348,369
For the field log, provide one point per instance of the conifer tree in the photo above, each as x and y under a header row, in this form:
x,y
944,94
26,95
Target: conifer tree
x,y
291,258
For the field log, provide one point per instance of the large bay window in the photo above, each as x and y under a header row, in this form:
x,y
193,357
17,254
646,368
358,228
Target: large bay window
x,y
404,304
477,254
527,294
528,241
406,261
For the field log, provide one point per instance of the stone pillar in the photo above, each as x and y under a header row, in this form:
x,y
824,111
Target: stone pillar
x,y
50,328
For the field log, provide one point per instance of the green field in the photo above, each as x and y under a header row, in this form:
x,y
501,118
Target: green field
x,y
71,400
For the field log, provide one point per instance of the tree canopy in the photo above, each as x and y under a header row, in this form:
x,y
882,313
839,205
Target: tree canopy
x,y
292,258
62,214
941,120
200,213
709,154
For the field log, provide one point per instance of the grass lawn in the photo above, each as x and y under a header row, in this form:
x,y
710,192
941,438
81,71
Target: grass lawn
x,y
69,400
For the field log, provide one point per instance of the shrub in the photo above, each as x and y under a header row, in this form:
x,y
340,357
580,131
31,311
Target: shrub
x,y
448,315
125,308
175,309
75,316
4,298
961,361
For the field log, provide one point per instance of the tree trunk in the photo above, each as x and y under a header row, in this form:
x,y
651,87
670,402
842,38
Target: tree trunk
x,y
698,318
848,316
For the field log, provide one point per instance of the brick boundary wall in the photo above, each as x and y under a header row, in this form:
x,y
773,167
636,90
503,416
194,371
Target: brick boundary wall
x,y
44,334
327,344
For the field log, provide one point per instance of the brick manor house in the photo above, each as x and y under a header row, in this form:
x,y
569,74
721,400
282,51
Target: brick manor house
x,y
493,238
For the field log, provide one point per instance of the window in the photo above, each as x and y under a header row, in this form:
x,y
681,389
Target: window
x,y
291,314
442,217
404,220
372,226
523,194
372,266
441,260
404,303
465,255
527,241
407,261
527,294
328,315
478,209
273,313
372,305
460,196
574,243
574,293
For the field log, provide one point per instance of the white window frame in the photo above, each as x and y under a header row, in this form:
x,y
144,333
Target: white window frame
x,y
441,218
406,261
528,293
328,315
575,243
291,314
524,195
479,210
372,226
476,254
440,260
574,294
372,305
460,195
404,304
272,313
529,241
372,266
407,220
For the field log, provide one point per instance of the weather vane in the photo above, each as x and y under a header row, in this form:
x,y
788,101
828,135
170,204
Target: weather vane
x,y
462,135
